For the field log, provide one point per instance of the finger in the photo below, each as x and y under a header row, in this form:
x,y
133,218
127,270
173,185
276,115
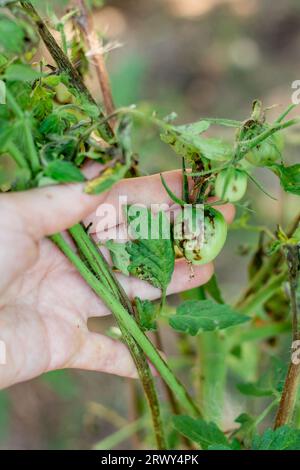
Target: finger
x,y
120,234
184,278
103,354
147,191
44,211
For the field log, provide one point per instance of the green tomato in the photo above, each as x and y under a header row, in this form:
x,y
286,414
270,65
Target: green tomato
x,y
267,152
231,184
200,246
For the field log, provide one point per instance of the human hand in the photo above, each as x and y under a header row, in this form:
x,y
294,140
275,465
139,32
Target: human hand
x,y
44,303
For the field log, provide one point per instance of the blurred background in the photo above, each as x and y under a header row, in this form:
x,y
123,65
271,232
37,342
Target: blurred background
x,y
198,58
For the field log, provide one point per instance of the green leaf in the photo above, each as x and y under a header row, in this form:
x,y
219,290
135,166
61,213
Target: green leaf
x,y
186,142
283,438
21,73
147,314
119,255
254,389
194,128
3,61
247,426
53,124
289,177
195,316
11,36
64,172
197,430
220,447
41,102
152,260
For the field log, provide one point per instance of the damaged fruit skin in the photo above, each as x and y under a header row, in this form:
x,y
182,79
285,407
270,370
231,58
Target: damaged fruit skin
x,y
231,185
201,248
267,152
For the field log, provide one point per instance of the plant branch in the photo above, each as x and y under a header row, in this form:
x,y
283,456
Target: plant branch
x,y
63,62
124,318
289,394
263,294
269,266
85,22
98,264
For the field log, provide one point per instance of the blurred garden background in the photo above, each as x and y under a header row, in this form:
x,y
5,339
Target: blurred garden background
x,y
197,58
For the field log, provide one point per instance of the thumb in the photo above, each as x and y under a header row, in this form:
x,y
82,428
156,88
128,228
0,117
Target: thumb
x,y
45,211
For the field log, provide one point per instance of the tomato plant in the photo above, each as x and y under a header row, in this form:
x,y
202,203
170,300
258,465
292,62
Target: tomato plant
x,y
51,128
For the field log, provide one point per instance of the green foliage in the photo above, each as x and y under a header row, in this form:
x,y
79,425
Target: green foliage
x,y
119,255
147,312
152,260
11,36
289,177
186,142
22,73
49,131
283,438
194,316
197,430
64,172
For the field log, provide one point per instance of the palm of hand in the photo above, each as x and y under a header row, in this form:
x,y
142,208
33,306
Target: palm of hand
x,y
44,304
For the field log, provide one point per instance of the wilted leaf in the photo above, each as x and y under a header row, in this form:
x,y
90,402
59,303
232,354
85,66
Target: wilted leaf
x,y
195,316
106,180
186,141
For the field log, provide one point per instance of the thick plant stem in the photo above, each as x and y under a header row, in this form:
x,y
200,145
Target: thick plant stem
x,y
126,320
99,266
290,390
61,59
289,395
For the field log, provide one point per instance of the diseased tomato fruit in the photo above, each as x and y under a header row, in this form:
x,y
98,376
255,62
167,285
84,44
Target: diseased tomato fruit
x,y
231,184
267,152
202,245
